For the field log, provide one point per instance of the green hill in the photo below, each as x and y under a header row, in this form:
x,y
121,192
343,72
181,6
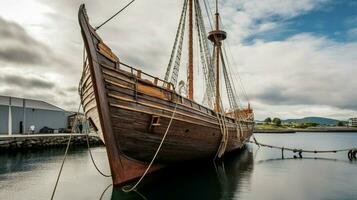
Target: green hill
x,y
318,120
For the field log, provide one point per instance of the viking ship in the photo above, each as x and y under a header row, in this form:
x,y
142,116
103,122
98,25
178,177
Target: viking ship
x,y
132,111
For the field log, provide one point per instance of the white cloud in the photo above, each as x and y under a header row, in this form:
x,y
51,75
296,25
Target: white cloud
x,y
249,17
305,74
352,34
304,70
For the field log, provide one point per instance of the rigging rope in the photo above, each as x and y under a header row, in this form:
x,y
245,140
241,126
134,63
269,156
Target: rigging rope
x,y
156,153
234,63
208,15
110,18
230,93
230,86
177,63
207,64
179,35
206,59
229,72
231,99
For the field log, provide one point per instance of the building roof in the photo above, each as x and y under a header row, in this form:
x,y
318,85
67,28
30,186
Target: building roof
x,y
30,103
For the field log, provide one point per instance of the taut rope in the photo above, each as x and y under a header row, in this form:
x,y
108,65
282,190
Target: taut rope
x,y
351,151
156,153
91,157
105,190
65,155
61,168
110,18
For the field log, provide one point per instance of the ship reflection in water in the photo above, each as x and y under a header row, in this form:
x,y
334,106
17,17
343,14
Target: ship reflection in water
x,y
249,174
223,180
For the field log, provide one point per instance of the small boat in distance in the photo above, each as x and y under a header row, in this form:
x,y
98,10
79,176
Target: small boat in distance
x,y
131,110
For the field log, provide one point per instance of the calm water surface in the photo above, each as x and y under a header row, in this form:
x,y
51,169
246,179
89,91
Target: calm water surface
x,y
249,174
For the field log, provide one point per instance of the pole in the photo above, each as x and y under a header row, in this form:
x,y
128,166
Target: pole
x,y
218,109
24,117
10,118
190,49
218,49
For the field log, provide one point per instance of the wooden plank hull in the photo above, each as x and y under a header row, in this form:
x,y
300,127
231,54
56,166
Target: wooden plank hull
x,y
131,115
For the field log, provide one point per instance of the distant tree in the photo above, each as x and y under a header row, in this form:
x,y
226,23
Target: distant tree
x,y
340,123
277,121
267,120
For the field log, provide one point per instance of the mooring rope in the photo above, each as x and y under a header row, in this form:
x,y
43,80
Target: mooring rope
x,y
61,168
299,150
351,151
65,155
91,156
155,155
105,190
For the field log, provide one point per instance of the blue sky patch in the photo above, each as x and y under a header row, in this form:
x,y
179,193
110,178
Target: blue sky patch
x,y
335,21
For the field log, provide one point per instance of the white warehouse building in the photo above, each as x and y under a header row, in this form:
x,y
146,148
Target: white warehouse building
x,y
18,115
352,122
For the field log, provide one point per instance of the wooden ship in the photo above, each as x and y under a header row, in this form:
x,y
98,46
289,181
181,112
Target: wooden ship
x,y
131,110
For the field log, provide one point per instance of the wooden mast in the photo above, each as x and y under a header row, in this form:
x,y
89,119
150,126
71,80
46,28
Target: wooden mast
x,y
190,49
217,36
218,48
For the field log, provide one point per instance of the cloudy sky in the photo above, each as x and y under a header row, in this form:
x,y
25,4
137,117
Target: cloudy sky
x,y
295,58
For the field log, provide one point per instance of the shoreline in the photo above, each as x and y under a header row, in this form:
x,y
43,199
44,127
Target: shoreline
x,y
277,131
315,130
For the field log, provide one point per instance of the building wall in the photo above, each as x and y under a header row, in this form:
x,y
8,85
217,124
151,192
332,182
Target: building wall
x,y
352,122
4,113
38,117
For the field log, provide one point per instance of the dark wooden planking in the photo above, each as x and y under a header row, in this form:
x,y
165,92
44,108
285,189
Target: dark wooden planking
x,y
130,138
185,141
123,168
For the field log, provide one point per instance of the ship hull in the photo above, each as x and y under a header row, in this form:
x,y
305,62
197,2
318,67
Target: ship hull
x,y
131,111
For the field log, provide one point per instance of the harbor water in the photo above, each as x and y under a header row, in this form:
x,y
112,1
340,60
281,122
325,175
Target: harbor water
x,y
252,173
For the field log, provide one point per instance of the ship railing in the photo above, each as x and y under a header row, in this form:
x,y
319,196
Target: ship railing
x,y
147,77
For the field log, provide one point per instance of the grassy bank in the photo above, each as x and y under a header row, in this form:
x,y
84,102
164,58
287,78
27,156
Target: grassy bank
x,y
271,128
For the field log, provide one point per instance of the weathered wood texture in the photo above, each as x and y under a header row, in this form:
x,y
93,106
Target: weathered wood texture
x,y
193,134
132,110
123,169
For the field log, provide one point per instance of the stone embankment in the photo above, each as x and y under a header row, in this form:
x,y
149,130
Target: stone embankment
x,y
43,141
